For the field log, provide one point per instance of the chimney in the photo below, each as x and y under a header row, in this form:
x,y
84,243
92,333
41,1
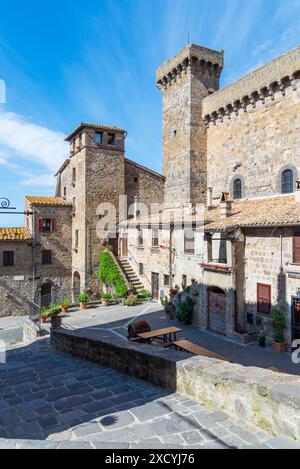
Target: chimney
x,y
297,193
209,202
225,205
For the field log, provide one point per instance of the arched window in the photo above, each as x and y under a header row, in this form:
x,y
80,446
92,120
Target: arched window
x,y
287,181
237,189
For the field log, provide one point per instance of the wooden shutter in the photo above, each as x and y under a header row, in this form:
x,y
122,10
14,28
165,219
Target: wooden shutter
x,y
296,248
263,298
53,224
40,224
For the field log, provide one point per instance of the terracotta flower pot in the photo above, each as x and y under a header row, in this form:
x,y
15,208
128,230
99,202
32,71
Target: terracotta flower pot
x,y
105,301
64,309
279,348
56,322
83,306
43,319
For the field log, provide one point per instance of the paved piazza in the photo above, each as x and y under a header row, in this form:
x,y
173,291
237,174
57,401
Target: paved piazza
x,y
48,399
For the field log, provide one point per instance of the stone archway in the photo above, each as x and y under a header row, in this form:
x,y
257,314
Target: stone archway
x,y
76,285
216,310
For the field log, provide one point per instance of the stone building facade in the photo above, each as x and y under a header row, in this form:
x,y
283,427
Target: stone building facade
x,y
246,146
229,223
35,261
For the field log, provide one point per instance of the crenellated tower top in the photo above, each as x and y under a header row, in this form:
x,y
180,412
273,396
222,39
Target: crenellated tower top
x,y
206,63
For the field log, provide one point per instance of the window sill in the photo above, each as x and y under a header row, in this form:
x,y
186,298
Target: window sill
x,y
140,248
214,267
155,249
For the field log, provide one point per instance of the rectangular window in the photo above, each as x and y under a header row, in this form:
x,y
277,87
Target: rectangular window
x,y
296,248
76,238
155,240
184,281
263,298
73,176
141,269
46,225
46,257
111,139
8,258
98,138
74,204
166,280
189,242
65,192
140,237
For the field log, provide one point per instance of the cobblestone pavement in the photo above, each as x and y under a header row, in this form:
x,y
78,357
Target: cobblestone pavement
x,y
73,403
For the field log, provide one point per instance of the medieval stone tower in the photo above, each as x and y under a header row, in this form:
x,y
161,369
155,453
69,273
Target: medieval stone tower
x,y
185,80
94,174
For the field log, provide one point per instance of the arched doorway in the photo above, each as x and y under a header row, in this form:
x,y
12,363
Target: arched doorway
x,y
76,285
217,310
46,294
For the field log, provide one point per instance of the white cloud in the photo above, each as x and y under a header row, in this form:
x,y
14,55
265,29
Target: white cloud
x,y
39,180
22,139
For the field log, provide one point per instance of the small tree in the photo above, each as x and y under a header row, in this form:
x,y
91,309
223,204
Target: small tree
x,y
278,321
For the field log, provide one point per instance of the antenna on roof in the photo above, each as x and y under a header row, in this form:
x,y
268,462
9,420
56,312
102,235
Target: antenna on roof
x,y
188,37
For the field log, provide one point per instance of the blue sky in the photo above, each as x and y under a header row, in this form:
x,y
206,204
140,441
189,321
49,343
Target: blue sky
x,y
69,61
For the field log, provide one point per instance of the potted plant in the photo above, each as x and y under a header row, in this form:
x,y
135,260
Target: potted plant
x,y
106,297
278,322
131,300
261,338
54,315
174,291
83,299
44,313
185,310
138,327
65,305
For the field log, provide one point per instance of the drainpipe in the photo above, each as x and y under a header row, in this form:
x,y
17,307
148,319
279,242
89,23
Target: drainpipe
x,y
33,253
171,255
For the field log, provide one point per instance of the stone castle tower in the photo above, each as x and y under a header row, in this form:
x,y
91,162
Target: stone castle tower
x,y
94,174
185,80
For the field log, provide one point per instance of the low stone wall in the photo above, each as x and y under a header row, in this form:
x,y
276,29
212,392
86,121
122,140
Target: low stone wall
x,y
268,399
142,361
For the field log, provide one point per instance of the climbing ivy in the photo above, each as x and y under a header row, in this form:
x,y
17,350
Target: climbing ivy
x,y
109,273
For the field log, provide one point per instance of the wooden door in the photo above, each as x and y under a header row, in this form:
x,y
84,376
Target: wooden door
x,y
155,285
217,311
295,318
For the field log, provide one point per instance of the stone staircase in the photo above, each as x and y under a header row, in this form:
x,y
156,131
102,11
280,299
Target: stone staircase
x,y
130,275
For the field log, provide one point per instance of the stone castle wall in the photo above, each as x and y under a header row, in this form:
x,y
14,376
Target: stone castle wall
x,y
143,183
253,129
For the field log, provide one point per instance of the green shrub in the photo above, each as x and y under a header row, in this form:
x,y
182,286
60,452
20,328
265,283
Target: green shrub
x,y
144,294
185,310
109,274
83,298
278,322
131,301
54,310
261,338
106,296
65,303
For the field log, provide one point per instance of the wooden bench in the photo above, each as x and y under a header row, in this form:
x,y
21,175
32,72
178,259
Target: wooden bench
x,y
195,349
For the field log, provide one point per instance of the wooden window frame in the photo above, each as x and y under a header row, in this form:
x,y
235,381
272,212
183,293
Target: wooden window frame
x,y
262,310
155,239
187,248
167,280
296,248
8,258
46,257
